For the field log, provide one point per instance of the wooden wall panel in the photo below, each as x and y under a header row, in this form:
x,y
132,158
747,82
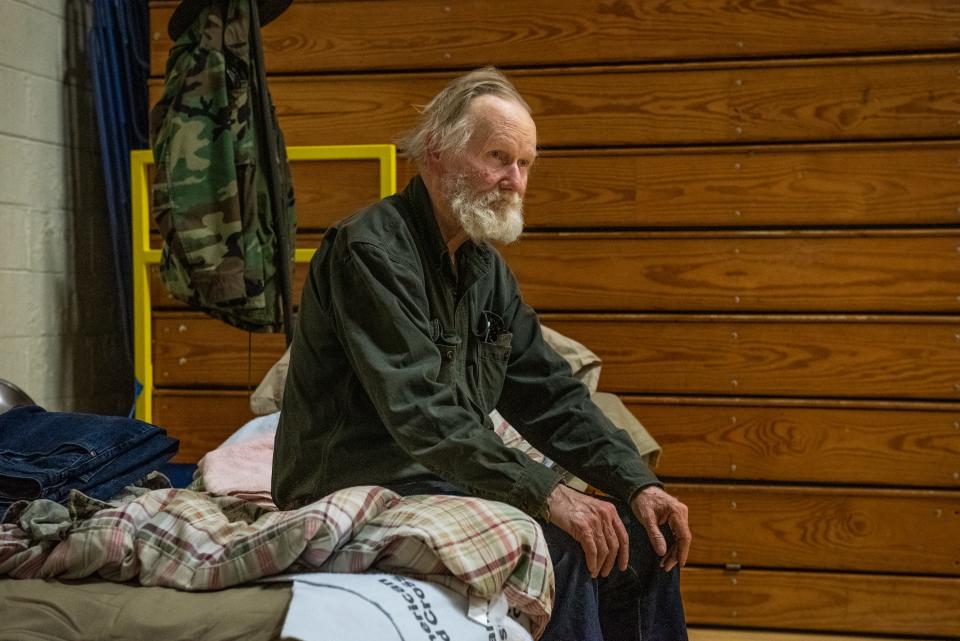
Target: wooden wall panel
x,y
849,99
190,350
823,528
772,186
656,354
833,602
328,190
862,100
906,444
882,444
202,420
744,271
397,34
750,272
879,444
697,633
841,357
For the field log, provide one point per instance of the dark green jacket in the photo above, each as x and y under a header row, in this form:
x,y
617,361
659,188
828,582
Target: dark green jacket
x,y
392,373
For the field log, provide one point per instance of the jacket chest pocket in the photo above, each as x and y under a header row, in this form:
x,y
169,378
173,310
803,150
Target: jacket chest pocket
x,y
492,369
448,344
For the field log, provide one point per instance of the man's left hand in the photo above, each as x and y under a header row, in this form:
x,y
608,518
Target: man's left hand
x,y
594,524
653,507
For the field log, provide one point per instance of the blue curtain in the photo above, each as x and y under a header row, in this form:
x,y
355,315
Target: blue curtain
x,y
119,56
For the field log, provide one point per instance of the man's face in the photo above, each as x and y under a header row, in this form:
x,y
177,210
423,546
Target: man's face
x,y
485,183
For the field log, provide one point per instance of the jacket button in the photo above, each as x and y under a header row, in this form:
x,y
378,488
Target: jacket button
x,y
449,354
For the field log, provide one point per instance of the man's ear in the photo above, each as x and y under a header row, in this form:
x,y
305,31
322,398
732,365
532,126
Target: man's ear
x,y
433,156
433,159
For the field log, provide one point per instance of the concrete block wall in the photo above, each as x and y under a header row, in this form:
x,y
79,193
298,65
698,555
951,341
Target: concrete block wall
x,y
60,336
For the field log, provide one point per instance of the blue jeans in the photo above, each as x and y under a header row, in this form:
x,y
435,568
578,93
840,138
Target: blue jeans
x,y
641,603
47,454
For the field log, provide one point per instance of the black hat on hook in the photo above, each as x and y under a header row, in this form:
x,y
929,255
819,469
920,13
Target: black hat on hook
x,y
188,10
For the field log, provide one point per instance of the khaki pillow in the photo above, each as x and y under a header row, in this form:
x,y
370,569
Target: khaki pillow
x,y
584,363
614,409
268,396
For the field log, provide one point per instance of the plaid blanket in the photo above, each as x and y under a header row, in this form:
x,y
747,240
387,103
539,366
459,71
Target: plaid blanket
x,y
197,541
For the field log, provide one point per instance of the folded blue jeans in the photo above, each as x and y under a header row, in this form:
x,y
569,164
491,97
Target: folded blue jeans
x,y
46,454
642,603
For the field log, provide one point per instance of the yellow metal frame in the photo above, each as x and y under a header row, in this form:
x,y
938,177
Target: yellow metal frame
x,y
144,256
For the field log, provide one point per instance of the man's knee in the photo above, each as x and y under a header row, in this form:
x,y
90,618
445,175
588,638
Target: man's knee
x,y
641,548
565,551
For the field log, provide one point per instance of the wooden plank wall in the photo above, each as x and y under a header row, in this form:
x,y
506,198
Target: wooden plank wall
x,y
750,210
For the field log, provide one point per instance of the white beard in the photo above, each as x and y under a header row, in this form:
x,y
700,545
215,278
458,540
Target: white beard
x,y
494,216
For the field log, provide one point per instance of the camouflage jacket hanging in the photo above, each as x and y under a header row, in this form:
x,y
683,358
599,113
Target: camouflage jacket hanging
x,y
211,200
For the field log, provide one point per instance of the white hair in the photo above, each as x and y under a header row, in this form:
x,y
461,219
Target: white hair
x,y
445,124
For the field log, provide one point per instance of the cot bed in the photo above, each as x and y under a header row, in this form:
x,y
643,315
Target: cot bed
x,y
485,557
110,576
212,540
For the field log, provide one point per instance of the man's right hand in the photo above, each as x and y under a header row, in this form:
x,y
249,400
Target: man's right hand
x,y
594,524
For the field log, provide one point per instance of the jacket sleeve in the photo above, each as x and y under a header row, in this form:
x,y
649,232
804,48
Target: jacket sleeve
x,y
553,410
379,308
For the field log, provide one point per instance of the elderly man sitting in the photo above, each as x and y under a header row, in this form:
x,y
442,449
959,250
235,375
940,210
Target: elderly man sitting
x,y
412,329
